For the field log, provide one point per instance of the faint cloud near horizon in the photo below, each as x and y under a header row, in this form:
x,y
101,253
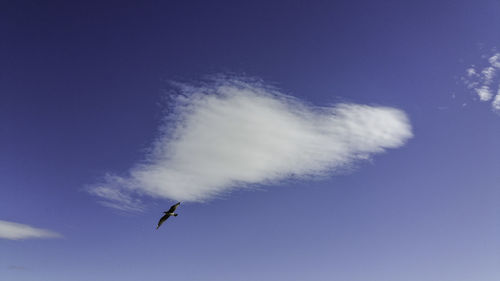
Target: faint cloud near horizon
x,y
17,267
18,231
233,133
484,80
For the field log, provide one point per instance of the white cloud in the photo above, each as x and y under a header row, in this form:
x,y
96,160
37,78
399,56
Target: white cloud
x,y
488,73
471,72
482,84
16,231
484,93
495,60
233,134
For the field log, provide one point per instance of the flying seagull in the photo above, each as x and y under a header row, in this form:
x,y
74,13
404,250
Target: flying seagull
x,y
168,213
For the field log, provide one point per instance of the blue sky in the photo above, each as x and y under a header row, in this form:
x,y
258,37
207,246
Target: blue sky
x,y
319,140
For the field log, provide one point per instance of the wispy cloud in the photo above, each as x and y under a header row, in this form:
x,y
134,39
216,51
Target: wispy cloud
x,y
495,60
471,72
230,134
116,196
496,101
16,231
483,81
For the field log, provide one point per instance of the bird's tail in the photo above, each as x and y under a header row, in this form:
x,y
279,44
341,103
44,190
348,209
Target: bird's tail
x,y
175,215
157,227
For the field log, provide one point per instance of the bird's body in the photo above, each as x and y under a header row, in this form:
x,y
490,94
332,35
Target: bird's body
x,y
168,213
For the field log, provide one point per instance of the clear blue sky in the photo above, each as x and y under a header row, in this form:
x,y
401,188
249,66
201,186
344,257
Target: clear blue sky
x,y
83,91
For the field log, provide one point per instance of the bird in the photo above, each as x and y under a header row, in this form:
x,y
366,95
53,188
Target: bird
x,y
168,213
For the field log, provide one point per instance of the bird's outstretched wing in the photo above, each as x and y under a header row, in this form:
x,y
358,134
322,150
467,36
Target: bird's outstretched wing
x,y
172,209
164,218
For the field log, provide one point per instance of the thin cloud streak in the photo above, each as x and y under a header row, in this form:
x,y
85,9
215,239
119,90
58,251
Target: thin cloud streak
x,y
237,134
17,231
